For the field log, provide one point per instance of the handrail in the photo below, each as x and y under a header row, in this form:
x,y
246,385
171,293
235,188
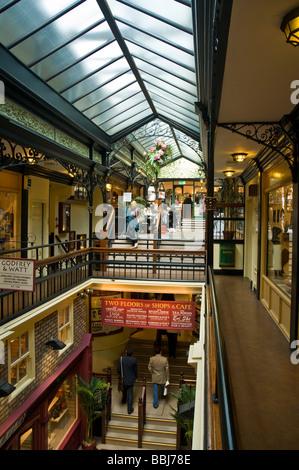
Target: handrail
x,y
141,412
106,415
155,241
56,274
223,388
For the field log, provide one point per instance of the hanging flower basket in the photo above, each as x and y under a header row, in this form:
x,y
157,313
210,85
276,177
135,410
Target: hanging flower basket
x,y
157,156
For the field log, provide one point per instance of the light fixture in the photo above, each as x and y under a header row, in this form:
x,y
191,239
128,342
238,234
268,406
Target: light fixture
x,y
85,293
56,344
239,157
290,27
108,186
228,173
6,388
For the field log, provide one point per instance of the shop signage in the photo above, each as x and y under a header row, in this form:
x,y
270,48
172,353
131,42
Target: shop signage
x,y
156,314
17,274
227,256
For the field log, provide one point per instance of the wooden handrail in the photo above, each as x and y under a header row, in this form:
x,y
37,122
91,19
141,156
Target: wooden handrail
x,y
156,251
141,412
186,381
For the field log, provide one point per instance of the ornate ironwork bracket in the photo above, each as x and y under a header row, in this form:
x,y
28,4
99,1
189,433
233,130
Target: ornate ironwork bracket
x,y
86,178
12,154
210,203
154,129
277,136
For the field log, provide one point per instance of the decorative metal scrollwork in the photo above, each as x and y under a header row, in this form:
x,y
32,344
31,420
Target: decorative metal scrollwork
x,y
12,154
210,203
273,135
156,129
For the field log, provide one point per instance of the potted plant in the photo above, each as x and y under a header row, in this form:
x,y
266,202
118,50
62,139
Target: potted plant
x,y
92,398
185,396
229,196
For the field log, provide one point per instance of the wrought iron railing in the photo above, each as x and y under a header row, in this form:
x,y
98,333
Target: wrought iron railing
x,y
56,274
229,222
222,392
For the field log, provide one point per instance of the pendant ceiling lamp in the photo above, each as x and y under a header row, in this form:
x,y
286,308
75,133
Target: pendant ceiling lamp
x,y
290,27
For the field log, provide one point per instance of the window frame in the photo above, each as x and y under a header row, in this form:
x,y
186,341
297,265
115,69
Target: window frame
x,y
67,327
29,356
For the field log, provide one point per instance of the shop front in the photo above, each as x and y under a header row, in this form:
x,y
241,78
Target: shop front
x,y
276,279
50,419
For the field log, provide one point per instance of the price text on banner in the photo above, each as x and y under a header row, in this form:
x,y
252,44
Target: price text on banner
x,y
156,314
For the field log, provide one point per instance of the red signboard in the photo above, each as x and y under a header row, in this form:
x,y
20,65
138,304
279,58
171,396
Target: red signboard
x,y
155,314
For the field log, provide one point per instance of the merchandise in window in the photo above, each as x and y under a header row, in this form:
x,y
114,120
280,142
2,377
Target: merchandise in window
x,y
280,237
63,412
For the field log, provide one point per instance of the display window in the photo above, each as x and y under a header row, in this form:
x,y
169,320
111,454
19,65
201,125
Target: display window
x,y
63,412
8,207
280,237
26,440
20,360
65,330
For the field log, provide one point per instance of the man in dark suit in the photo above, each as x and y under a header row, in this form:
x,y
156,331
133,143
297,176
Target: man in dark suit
x,y
128,364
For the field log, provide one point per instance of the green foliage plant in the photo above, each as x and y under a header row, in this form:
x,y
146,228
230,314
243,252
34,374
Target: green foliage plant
x,y
92,397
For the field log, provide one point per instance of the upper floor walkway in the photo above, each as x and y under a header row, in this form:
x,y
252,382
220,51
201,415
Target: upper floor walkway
x,y
165,259
263,380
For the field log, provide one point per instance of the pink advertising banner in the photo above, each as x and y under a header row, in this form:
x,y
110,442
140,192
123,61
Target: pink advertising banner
x,y
156,314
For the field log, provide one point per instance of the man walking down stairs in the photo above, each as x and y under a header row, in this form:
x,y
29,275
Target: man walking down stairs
x,y
160,429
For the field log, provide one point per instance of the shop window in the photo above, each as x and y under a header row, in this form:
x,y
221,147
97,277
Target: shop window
x,y
280,236
20,363
26,440
63,413
8,205
65,331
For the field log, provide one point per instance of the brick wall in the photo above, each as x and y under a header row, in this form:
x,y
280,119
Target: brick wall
x,y
46,359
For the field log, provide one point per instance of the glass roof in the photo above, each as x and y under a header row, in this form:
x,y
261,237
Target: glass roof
x,y
122,63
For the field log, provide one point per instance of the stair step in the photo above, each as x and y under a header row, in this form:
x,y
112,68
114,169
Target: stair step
x,y
131,434
119,422
160,430
129,442
116,447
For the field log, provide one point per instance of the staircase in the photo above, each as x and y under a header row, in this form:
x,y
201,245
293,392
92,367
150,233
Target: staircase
x,y
196,228
159,432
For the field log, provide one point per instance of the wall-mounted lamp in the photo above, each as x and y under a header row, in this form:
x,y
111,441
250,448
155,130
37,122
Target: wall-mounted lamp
x,y
85,293
290,27
56,344
108,186
228,173
6,388
239,157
